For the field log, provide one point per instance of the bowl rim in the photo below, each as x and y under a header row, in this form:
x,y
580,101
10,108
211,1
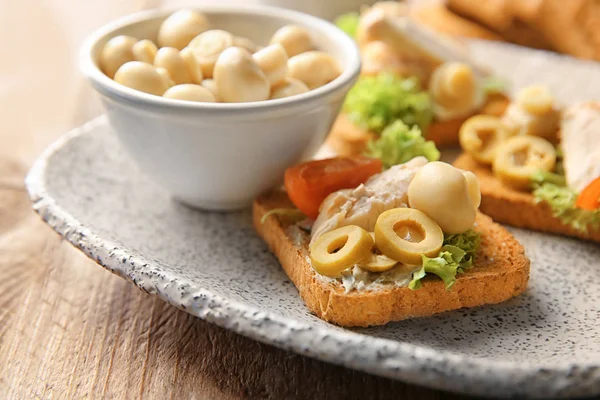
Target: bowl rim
x,y
110,88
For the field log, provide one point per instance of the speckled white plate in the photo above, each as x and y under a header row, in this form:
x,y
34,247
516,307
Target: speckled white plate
x,y
545,343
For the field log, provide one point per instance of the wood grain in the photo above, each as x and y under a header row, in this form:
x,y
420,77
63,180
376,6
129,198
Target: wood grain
x,y
70,329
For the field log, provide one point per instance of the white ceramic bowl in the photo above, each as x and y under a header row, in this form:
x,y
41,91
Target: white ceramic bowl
x,y
220,156
328,9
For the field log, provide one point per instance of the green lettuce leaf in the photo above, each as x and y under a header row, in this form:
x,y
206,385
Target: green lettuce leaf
x,y
457,255
398,144
348,23
494,84
468,242
550,188
377,101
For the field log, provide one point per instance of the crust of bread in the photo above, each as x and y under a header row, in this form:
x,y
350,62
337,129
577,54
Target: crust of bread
x,y
509,206
571,26
491,13
501,271
511,19
438,17
348,139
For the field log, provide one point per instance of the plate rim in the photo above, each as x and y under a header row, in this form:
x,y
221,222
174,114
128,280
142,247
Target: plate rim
x,y
415,364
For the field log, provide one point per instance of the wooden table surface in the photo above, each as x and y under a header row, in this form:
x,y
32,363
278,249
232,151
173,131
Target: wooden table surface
x,y
70,329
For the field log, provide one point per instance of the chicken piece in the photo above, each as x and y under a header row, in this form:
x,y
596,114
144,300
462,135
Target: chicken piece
x,y
412,41
361,206
378,57
580,142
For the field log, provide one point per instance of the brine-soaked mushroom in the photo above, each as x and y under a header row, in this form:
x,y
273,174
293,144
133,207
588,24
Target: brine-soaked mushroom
x,y
519,157
473,188
145,51
208,46
116,52
314,68
190,92
210,85
337,250
289,87
481,135
272,60
170,59
192,65
442,192
165,75
404,234
245,43
238,78
294,39
143,77
181,27
455,91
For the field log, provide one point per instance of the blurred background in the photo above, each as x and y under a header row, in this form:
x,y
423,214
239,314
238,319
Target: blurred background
x,y
42,93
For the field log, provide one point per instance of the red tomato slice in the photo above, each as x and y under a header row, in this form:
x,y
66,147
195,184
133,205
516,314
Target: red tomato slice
x,y
589,198
308,184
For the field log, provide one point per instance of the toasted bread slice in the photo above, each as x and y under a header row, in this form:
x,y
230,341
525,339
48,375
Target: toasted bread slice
x,y
439,18
501,271
516,208
347,139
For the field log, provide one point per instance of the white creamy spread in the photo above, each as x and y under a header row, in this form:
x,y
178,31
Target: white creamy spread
x,y
580,142
360,279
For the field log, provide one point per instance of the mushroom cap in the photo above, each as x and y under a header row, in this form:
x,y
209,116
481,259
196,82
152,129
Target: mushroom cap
x,y
190,92
181,27
170,59
116,52
441,191
143,77
272,60
314,68
289,87
294,39
238,78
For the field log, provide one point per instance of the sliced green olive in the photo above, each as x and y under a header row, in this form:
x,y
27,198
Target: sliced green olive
x,y
520,157
377,263
404,234
337,250
481,135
